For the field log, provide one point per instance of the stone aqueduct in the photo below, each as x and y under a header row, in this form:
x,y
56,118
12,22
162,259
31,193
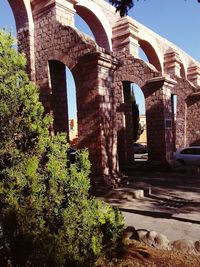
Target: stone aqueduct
x,y
103,71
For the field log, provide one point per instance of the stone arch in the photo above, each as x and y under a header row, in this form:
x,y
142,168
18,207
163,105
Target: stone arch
x,y
65,48
66,45
93,72
151,54
22,13
151,49
136,71
25,32
97,22
183,65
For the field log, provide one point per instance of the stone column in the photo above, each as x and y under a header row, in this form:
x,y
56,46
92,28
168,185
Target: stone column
x,y
127,138
172,64
25,37
61,10
94,78
159,118
50,76
125,37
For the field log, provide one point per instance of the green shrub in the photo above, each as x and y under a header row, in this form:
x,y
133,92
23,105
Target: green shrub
x,y
47,217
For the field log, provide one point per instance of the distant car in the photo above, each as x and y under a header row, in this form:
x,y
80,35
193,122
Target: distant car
x,y
139,148
188,155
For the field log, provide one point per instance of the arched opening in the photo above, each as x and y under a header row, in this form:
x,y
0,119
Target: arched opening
x,y
99,27
63,100
132,137
72,108
81,25
7,20
140,102
150,54
142,55
22,13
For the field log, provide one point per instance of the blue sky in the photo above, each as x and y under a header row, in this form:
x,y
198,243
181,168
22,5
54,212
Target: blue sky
x,y
176,20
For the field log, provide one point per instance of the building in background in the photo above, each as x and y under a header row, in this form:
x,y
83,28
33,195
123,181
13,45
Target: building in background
x,y
143,136
73,132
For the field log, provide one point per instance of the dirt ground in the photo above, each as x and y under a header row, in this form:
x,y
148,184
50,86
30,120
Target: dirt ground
x,y
140,255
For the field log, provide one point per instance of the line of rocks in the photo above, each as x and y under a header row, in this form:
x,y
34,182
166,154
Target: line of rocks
x,y
160,241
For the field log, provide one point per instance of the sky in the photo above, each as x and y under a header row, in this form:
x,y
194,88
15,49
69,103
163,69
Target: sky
x,y
176,20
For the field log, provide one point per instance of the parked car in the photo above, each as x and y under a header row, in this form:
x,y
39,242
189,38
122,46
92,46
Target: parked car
x,y
139,148
71,155
188,155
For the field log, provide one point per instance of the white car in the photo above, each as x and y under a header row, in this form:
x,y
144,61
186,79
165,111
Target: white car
x,y
188,155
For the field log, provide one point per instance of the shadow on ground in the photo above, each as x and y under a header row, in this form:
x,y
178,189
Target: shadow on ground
x,y
158,194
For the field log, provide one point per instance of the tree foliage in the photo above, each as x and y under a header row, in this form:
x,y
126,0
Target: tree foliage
x,y
47,217
123,6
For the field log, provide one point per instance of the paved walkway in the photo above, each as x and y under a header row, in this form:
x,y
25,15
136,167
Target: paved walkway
x,y
170,205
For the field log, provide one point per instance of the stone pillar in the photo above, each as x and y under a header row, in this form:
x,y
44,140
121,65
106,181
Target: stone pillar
x,y
50,77
94,78
172,64
25,37
61,10
193,119
159,118
194,75
127,139
125,37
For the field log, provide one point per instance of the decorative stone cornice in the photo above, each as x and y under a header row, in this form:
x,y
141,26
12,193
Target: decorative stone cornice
x,y
125,35
101,59
39,6
161,80
172,63
194,75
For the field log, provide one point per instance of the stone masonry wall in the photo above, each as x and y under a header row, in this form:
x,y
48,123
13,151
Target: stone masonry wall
x,y
135,71
187,110
94,75
47,35
193,120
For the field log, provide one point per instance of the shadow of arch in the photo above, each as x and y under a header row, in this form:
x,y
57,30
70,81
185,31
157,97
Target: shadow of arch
x,y
182,71
151,54
97,22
